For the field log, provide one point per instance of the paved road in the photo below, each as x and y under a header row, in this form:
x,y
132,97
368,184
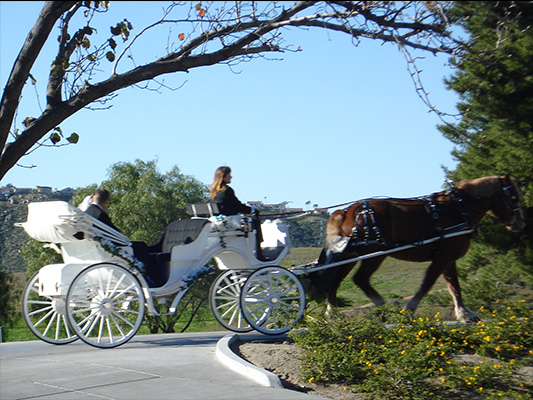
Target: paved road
x,y
154,367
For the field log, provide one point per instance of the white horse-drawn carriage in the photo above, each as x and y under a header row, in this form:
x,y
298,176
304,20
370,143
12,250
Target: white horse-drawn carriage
x,y
101,290
106,283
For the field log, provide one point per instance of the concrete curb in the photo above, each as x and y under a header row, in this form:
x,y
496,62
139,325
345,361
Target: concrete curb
x,y
231,360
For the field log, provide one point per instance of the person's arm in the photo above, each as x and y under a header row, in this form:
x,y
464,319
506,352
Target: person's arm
x,y
236,203
106,220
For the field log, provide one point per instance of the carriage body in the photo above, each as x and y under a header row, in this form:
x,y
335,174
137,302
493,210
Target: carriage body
x,y
104,274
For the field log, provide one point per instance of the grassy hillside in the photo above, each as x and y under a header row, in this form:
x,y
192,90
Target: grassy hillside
x,y
11,237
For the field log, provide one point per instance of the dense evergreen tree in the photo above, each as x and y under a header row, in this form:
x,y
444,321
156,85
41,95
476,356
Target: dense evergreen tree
x,y
495,82
494,135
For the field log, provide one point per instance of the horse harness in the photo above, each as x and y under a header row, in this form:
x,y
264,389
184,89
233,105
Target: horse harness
x,y
367,232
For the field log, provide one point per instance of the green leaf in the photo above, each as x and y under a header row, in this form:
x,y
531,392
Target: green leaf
x,y
73,138
110,56
55,138
85,43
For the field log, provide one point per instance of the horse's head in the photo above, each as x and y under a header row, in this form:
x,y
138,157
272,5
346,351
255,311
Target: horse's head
x,y
511,214
502,197
506,204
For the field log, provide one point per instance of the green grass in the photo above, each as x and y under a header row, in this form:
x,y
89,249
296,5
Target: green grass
x,y
395,280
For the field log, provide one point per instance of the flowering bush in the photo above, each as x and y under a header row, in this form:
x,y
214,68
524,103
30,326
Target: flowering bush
x,y
410,357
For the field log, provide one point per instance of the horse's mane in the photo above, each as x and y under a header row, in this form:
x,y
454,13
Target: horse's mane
x,y
481,187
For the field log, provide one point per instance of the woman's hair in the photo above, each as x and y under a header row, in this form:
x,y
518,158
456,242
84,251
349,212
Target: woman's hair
x,y
218,184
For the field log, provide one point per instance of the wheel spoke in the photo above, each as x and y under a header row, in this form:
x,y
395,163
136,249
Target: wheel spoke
x,y
224,298
106,305
272,300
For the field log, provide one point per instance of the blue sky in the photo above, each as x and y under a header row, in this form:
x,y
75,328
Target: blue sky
x,y
330,124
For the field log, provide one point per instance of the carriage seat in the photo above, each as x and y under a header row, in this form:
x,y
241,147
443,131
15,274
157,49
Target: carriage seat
x,y
156,258
202,209
184,231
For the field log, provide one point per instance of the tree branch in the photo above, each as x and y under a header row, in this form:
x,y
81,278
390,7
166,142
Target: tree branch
x,y
36,39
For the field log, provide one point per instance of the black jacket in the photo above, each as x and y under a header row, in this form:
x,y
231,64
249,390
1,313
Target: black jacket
x,y
95,211
229,204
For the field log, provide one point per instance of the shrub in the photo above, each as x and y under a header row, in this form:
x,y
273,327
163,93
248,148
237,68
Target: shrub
x,y
410,357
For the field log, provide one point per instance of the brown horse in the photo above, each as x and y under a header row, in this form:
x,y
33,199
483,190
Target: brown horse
x,y
381,225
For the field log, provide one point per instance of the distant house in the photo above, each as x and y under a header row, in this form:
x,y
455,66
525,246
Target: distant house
x,y
5,191
281,207
44,189
295,210
23,190
66,192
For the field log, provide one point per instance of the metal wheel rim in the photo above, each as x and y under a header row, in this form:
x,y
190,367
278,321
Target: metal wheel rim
x,y
105,305
272,300
45,316
224,301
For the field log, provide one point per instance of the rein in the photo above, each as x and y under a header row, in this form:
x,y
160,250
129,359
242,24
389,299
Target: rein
x,y
302,213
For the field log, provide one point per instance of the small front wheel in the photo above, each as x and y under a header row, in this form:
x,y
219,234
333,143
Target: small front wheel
x,y
46,315
224,300
272,300
105,305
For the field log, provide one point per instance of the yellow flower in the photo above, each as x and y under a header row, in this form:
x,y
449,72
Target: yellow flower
x,y
311,379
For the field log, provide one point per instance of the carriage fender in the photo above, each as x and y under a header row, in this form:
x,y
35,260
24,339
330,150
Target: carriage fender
x,y
55,279
275,233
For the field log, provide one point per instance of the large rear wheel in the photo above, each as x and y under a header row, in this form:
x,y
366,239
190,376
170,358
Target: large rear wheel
x,y
224,300
272,300
105,305
46,315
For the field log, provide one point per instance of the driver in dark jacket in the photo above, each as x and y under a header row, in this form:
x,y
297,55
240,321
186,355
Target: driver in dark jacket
x,y
228,204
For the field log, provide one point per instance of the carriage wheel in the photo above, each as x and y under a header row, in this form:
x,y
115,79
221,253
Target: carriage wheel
x,y
105,305
224,300
272,300
45,315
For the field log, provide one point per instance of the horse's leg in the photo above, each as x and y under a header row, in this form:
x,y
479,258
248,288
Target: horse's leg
x,y
461,312
332,292
432,273
362,278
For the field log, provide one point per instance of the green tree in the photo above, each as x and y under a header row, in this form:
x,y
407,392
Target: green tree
x,y
36,255
7,303
92,62
144,200
494,135
308,231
